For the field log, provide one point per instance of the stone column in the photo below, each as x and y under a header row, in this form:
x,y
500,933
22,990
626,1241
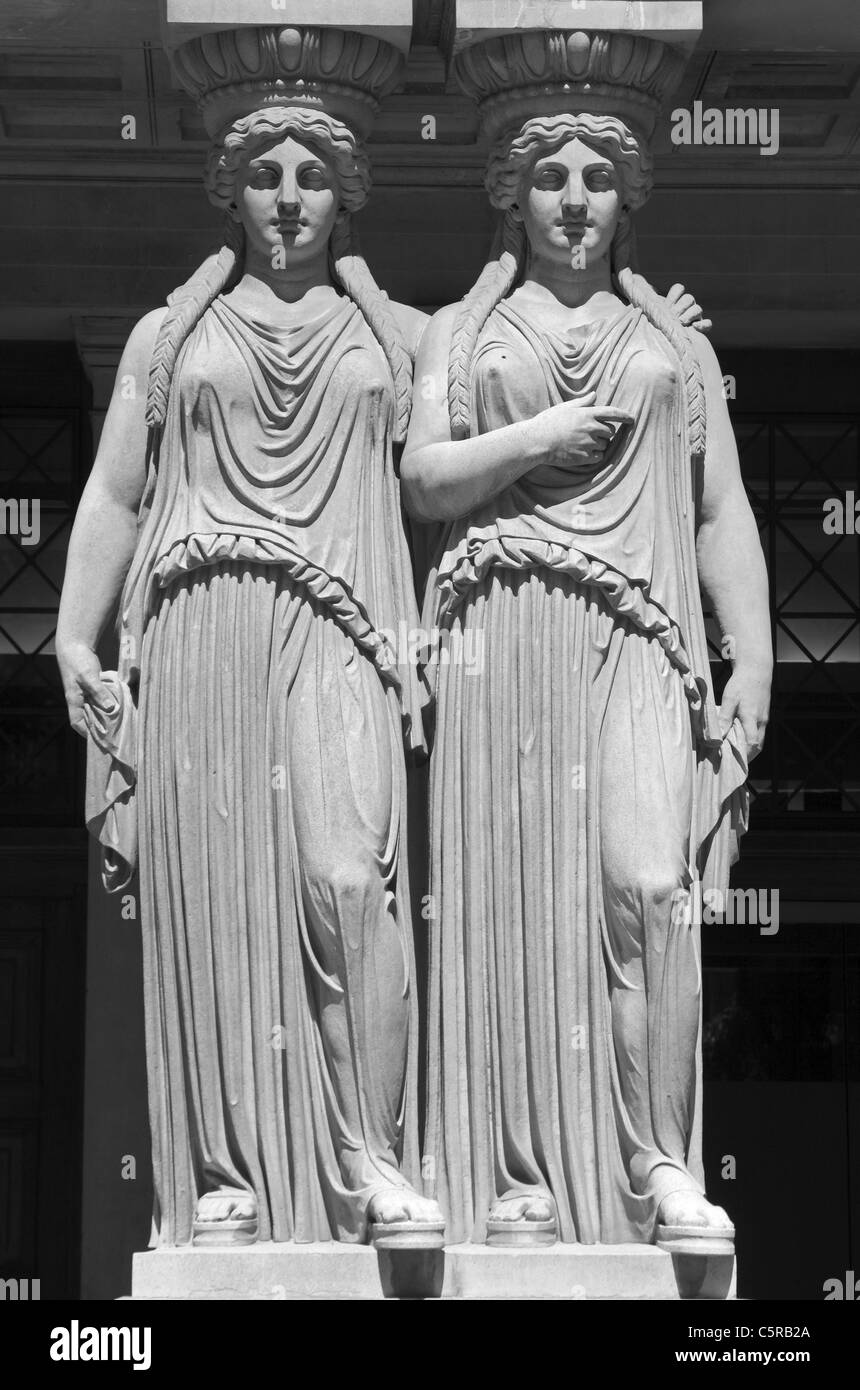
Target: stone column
x,y
117,1189
100,339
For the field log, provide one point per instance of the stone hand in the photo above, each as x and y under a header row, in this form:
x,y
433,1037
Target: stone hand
x,y
81,673
579,433
747,698
685,308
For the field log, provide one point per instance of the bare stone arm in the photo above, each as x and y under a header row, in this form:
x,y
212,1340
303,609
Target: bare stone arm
x,y
104,535
443,478
731,565
412,323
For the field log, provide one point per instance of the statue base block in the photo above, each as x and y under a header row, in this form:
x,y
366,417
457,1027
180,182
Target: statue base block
x,y
337,1271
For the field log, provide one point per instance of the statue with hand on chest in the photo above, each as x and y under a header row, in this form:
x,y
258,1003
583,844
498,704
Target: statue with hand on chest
x,y
579,452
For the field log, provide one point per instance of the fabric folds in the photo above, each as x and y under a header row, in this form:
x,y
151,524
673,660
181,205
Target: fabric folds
x,y
111,811
579,785
265,777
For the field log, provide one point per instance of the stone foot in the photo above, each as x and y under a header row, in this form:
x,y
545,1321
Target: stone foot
x,y
687,1223
226,1216
401,1220
522,1218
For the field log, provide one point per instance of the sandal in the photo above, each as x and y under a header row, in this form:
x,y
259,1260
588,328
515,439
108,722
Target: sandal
x,y
407,1235
696,1240
522,1231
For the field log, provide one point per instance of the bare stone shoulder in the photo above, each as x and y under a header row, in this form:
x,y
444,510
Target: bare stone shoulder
x,y
412,323
141,340
708,361
440,331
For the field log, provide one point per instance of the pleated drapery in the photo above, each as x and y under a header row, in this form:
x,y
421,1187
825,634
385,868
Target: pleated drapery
x,y
269,790
579,784
278,971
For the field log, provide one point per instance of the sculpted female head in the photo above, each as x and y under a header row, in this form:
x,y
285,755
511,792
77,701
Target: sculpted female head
x,y
571,181
285,175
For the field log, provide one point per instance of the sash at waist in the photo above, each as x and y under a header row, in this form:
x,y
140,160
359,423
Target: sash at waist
x,y
475,557
195,551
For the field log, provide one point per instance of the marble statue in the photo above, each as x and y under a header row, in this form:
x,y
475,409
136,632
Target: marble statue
x,y
579,451
249,753
247,758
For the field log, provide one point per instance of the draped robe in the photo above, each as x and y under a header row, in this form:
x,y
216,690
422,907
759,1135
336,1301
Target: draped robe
x,y
268,789
579,786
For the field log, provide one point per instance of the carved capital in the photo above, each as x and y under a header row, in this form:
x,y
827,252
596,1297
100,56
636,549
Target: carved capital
x,y
237,71
548,72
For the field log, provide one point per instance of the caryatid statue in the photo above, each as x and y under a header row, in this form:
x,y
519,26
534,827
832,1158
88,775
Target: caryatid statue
x,y
583,780
245,510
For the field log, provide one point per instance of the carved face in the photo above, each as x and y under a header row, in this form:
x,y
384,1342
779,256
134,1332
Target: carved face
x,y
570,199
287,199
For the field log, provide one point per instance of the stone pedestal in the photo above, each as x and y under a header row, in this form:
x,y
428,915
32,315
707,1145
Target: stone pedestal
x,y
329,1271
